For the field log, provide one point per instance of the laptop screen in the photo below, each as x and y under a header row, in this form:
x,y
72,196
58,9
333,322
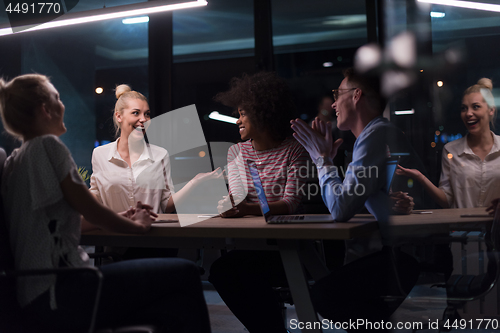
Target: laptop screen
x,y
392,164
258,187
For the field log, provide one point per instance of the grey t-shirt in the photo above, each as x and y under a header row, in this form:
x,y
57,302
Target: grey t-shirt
x,y
44,231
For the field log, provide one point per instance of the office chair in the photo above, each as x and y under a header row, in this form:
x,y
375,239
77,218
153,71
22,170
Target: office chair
x,y
465,288
12,319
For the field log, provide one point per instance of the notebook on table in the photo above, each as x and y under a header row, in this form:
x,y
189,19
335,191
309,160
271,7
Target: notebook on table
x,y
277,219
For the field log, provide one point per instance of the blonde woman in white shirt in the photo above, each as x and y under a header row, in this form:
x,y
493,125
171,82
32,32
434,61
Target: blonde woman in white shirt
x,y
127,170
470,175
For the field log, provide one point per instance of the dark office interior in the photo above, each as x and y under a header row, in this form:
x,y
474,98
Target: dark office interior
x,y
186,57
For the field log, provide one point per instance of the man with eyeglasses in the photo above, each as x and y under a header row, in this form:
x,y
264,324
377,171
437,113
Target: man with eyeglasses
x,y
357,290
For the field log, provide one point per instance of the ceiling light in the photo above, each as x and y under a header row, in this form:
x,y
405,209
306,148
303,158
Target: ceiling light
x,y
107,13
99,90
465,4
217,116
403,112
134,20
440,84
438,14
328,64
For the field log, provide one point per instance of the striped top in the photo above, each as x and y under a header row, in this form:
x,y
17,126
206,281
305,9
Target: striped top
x,y
282,170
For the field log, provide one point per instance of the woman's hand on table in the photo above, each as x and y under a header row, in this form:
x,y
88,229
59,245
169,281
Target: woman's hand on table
x,y
227,208
131,211
493,206
403,203
142,216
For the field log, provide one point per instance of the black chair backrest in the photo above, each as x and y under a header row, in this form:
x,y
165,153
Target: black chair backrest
x,y
493,242
6,258
7,286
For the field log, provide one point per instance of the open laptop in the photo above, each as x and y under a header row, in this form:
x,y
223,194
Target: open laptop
x,y
392,164
277,219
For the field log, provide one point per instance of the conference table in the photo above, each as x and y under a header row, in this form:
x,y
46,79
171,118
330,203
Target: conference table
x,y
293,241
429,222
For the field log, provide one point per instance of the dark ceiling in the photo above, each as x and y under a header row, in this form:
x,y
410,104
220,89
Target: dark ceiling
x,y
227,25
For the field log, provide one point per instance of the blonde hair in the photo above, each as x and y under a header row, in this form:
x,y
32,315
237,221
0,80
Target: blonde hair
x,y
19,99
485,86
123,94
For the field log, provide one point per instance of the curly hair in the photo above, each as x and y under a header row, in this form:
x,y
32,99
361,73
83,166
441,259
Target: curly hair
x,y
267,100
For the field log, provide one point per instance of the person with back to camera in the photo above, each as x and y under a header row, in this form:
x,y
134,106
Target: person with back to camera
x,y
127,170
47,205
244,279
470,174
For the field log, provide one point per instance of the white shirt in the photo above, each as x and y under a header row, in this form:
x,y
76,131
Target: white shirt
x,y
44,230
119,186
466,180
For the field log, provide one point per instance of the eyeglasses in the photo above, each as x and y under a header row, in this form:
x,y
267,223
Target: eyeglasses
x,y
336,92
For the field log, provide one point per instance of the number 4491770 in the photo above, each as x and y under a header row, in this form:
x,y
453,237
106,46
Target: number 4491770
x,y
472,324
34,8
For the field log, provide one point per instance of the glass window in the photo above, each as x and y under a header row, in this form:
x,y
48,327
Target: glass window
x,y
222,29
318,25
313,43
470,35
78,59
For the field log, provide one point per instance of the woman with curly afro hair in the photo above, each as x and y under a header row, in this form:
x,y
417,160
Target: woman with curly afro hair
x,y
265,107
244,279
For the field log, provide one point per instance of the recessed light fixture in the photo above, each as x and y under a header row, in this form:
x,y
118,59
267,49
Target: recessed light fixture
x,y
107,13
465,4
438,14
220,117
99,90
440,84
135,20
328,64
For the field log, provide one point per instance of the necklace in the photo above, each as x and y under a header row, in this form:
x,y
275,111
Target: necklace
x,y
272,147
259,162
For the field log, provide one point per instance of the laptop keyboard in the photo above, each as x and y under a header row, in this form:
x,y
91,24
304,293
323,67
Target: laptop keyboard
x,y
289,218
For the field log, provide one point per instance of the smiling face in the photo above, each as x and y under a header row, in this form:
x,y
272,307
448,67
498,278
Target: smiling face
x,y
132,119
56,109
246,127
476,114
344,106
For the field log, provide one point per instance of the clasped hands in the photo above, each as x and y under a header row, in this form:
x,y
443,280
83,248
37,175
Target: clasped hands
x,y
139,210
318,139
